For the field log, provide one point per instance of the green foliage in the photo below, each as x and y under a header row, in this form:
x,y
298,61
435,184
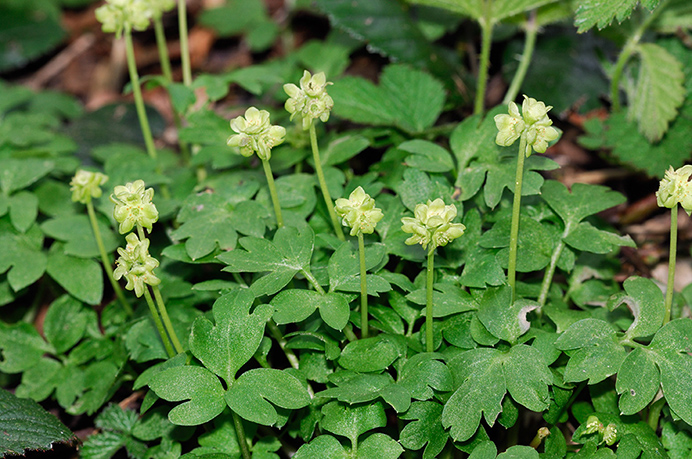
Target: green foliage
x,y
592,13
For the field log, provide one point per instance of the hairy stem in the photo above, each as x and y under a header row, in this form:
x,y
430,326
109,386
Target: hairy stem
x,y
671,261
240,433
364,331
514,230
137,92
272,192
323,184
531,30
159,324
184,48
104,259
429,301
167,320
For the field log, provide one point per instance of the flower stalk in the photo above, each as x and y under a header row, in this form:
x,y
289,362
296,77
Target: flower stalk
x,y
323,184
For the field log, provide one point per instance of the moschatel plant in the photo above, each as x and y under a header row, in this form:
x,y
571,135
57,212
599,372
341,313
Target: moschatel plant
x,y
257,329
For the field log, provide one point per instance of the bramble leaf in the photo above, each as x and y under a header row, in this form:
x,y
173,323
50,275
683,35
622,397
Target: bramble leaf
x,y
598,13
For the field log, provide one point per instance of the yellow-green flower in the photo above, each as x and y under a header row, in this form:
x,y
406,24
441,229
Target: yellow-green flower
x,y
118,15
432,224
133,206
533,125
358,212
136,265
255,134
311,100
86,185
675,188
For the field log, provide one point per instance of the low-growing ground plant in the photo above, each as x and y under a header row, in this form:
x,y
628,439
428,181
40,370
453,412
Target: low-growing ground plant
x,y
212,305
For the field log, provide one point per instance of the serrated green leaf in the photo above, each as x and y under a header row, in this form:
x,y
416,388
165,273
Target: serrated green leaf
x,y
251,394
81,277
65,323
228,344
114,417
427,156
322,447
200,387
25,425
352,421
425,430
660,91
409,99
370,354
94,386
597,13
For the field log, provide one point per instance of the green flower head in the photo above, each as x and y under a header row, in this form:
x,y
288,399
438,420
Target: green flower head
x,y
255,134
532,125
156,8
136,265
311,100
133,206
118,15
86,185
675,188
358,212
610,434
432,224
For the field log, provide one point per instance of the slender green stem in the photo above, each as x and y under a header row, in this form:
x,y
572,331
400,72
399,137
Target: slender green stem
x,y
323,184
290,355
514,230
364,331
655,412
137,92
166,319
104,259
548,277
272,191
348,332
671,261
163,49
159,324
184,48
531,30
486,41
429,301
308,275
240,433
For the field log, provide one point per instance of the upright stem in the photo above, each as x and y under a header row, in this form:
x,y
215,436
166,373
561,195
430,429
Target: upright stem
x,y
167,320
272,192
290,355
240,433
323,184
163,49
429,301
184,48
104,258
311,278
137,92
486,40
548,276
159,325
531,30
671,261
514,230
363,289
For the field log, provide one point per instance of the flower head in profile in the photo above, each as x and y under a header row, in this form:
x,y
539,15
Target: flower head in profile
x,y
532,125
255,134
675,188
133,206
156,8
358,212
118,15
86,185
432,224
311,100
136,265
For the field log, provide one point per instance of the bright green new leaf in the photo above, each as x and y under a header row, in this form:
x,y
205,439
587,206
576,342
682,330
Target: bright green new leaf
x,y
645,301
81,277
322,447
228,344
289,253
295,305
65,323
251,394
427,156
502,318
200,387
660,91
601,13
27,426
352,421
425,429
371,354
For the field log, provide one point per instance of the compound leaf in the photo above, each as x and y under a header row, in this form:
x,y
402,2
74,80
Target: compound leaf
x,y
425,429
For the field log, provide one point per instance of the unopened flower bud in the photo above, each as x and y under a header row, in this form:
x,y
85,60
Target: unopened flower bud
x,y
86,185
118,15
358,212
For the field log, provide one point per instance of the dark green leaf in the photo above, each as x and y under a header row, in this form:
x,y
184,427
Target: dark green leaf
x,y
76,232
21,346
502,317
425,430
381,446
65,323
645,301
322,447
81,277
352,421
427,156
370,354
594,13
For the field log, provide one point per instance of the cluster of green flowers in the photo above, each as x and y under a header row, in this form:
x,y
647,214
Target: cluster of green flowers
x,y
432,224
255,134
532,125
86,185
358,212
118,15
133,208
609,433
675,188
311,100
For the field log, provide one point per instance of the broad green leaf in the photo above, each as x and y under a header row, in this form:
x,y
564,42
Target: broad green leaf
x,y
21,347
342,149
660,91
448,299
587,238
344,269
527,377
81,277
282,259
406,98
65,323
596,354
27,426
143,341
297,305
23,210
502,317
423,374
476,9
638,381
328,56
675,16
645,301
207,232
418,187
677,441
359,388
427,156
201,388
519,452
322,447
425,429
370,354
352,421
583,200
76,232
228,344
484,450
39,381
381,446
597,13
98,381
251,394
16,174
